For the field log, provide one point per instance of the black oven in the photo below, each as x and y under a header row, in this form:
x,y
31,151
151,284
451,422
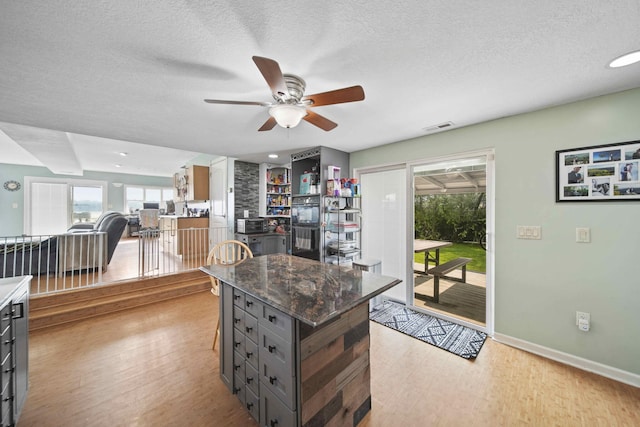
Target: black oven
x,y
305,226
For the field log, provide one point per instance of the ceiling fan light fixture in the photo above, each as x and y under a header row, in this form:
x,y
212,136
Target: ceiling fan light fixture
x,y
626,59
287,115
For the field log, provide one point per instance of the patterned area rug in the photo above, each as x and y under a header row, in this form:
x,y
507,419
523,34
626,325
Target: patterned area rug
x,y
460,340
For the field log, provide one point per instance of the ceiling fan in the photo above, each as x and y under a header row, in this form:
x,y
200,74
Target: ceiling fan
x,y
290,104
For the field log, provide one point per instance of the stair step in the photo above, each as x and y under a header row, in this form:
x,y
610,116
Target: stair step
x,y
79,307
91,293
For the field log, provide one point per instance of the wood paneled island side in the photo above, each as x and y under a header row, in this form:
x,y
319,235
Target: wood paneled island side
x,y
295,339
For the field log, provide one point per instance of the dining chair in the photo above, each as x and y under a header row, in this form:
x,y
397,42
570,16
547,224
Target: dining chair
x,y
228,253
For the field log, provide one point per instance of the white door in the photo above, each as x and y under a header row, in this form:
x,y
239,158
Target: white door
x,y
384,224
219,206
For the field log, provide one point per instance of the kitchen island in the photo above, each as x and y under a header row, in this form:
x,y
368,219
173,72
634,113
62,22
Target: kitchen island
x,y
295,339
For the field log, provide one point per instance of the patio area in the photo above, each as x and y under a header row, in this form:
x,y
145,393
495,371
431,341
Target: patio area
x,y
466,301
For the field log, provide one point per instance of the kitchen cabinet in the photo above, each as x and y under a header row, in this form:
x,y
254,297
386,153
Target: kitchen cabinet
x,y
192,237
192,184
264,243
275,191
14,347
295,338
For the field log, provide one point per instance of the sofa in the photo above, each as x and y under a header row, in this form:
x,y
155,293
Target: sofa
x,y
77,249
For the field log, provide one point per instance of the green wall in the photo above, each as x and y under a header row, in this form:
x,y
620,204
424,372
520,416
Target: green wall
x,y
12,219
540,284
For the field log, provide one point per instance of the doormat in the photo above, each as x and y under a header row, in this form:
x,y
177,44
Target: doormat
x,y
457,339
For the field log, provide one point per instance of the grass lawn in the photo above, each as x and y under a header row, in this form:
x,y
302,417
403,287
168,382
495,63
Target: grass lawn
x,y
466,250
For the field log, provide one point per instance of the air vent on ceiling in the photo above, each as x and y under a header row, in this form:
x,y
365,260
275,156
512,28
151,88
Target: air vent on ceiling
x,y
438,127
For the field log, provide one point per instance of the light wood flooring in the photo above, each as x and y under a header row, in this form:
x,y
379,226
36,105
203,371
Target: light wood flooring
x,y
153,366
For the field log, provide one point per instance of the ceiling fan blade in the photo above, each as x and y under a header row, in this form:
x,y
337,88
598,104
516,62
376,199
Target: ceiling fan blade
x,y
268,125
320,121
220,101
338,96
273,75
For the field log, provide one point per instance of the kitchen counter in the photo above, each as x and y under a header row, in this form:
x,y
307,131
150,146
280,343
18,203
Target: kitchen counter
x,y
294,339
307,290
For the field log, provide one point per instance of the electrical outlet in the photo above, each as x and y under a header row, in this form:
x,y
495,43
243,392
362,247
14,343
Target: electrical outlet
x,y
583,321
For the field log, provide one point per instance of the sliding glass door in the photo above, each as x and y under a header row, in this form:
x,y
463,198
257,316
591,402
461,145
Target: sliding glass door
x,y
384,224
52,205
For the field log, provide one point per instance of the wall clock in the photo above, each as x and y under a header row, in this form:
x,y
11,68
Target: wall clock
x,y
12,185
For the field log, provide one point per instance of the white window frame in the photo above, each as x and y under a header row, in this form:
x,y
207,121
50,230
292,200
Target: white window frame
x,y
69,182
125,207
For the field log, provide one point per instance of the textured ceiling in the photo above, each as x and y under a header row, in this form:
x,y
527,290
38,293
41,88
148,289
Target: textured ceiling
x,y
138,71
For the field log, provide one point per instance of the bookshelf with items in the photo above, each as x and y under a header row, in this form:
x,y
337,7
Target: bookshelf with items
x,y
342,223
276,200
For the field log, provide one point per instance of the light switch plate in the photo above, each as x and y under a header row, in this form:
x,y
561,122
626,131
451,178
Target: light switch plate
x,y
530,232
583,235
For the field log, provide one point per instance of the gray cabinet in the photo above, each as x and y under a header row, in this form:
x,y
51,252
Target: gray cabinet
x,y
262,372
264,244
14,352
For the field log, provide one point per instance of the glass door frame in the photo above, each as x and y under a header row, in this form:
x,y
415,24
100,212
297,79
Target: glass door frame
x,y
490,227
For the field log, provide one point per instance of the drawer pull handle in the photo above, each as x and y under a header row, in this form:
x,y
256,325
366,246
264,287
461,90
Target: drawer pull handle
x,y
237,343
273,423
249,405
272,318
249,379
237,319
249,354
272,348
249,328
273,380
249,303
236,367
237,390
236,297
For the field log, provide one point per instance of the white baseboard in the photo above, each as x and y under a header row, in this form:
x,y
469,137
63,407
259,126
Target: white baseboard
x,y
569,359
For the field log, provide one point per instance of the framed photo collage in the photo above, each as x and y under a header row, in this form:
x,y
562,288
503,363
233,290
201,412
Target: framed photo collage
x,y
599,173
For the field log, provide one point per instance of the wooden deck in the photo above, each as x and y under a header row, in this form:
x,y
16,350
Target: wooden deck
x,y
466,301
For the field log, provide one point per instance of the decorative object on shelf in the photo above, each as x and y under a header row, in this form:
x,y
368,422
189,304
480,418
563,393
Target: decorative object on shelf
x,y
599,173
12,185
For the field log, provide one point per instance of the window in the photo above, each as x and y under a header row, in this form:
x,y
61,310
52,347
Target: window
x,y
52,205
136,196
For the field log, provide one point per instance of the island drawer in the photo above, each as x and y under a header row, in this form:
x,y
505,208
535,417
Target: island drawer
x,y
277,322
252,379
276,350
239,364
279,380
251,352
238,318
273,412
253,404
252,305
238,298
251,327
239,389
239,343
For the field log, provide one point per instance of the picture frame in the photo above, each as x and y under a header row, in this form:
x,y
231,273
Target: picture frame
x,y
600,173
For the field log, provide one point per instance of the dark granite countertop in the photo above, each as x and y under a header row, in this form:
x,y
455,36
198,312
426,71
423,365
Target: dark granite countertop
x,y
308,290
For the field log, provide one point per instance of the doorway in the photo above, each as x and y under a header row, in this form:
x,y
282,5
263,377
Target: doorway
x,y
452,223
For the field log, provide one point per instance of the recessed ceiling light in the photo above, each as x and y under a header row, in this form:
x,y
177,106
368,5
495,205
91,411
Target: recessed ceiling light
x,y
118,165
123,154
626,59
273,156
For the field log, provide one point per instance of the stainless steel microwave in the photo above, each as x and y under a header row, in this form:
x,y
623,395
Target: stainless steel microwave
x,y
251,225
